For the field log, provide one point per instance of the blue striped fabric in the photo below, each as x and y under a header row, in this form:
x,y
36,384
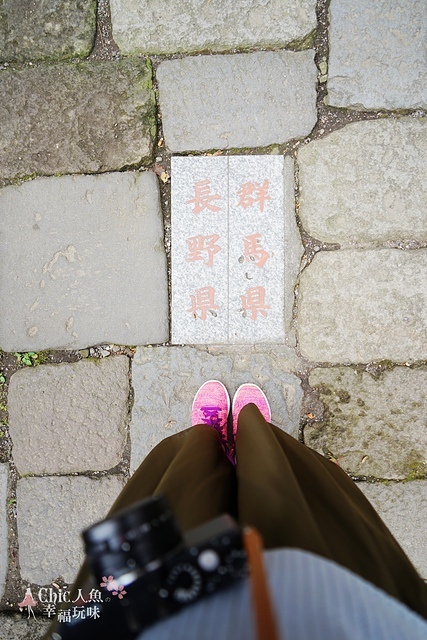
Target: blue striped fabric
x,y
314,599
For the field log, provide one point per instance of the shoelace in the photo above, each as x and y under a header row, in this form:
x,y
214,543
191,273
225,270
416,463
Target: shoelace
x,y
211,416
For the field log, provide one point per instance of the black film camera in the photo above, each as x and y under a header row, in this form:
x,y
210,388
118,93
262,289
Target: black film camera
x,y
160,569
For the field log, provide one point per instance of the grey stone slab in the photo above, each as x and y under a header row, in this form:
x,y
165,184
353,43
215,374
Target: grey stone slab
x,y
4,545
228,246
366,183
358,306
403,507
74,118
69,417
200,253
150,26
245,100
166,379
378,54
257,235
372,426
83,262
57,29
51,513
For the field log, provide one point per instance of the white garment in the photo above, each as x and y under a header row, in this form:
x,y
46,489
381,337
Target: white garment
x,y
313,599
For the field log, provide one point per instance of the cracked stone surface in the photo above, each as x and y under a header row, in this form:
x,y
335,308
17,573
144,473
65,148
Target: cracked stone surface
x,y
69,118
166,379
69,417
88,255
18,627
245,100
377,54
372,427
403,507
176,26
366,183
4,474
56,29
61,507
346,315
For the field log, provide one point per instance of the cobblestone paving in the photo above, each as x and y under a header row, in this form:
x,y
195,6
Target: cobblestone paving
x,y
93,105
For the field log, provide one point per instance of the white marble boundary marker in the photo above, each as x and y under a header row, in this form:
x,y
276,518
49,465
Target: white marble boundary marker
x,y
256,248
199,250
227,249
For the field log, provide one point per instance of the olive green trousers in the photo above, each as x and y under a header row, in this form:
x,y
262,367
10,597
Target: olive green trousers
x,y
291,494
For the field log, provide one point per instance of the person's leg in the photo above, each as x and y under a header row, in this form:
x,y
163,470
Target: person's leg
x,y
297,498
191,469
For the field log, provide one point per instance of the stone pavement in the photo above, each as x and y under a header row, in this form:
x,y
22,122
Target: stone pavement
x,y
96,98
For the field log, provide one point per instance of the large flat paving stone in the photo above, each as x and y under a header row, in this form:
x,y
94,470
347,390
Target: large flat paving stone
x,y
4,475
83,262
69,417
372,426
403,507
245,100
166,379
358,306
150,26
57,29
366,183
377,54
53,511
75,118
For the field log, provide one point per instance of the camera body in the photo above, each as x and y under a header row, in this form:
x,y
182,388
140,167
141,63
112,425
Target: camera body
x,y
157,568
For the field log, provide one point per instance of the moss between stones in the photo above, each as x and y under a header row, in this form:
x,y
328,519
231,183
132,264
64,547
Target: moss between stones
x,y
307,42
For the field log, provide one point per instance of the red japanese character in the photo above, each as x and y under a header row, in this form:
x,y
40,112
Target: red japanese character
x,y
254,251
251,193
254,302
198,245
202,302
203,197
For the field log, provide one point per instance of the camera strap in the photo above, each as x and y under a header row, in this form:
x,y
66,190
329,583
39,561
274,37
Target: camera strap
x,y
266,626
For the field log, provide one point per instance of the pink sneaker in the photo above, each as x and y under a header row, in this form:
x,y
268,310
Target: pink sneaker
x,y
249,394
211,406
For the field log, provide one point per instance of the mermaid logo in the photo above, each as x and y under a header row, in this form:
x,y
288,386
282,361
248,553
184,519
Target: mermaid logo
x,y
28,602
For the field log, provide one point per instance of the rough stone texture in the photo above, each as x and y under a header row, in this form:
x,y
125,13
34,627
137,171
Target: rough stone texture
x,y
56,29
16,626
83,262
84,117
166,379
51,513
294,249
372,427
358,306
174,26
3,527
246,100
403,507
69,417
378,54
366,183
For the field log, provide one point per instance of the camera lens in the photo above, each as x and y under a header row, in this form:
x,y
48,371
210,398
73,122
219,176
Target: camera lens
x,y
132,538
